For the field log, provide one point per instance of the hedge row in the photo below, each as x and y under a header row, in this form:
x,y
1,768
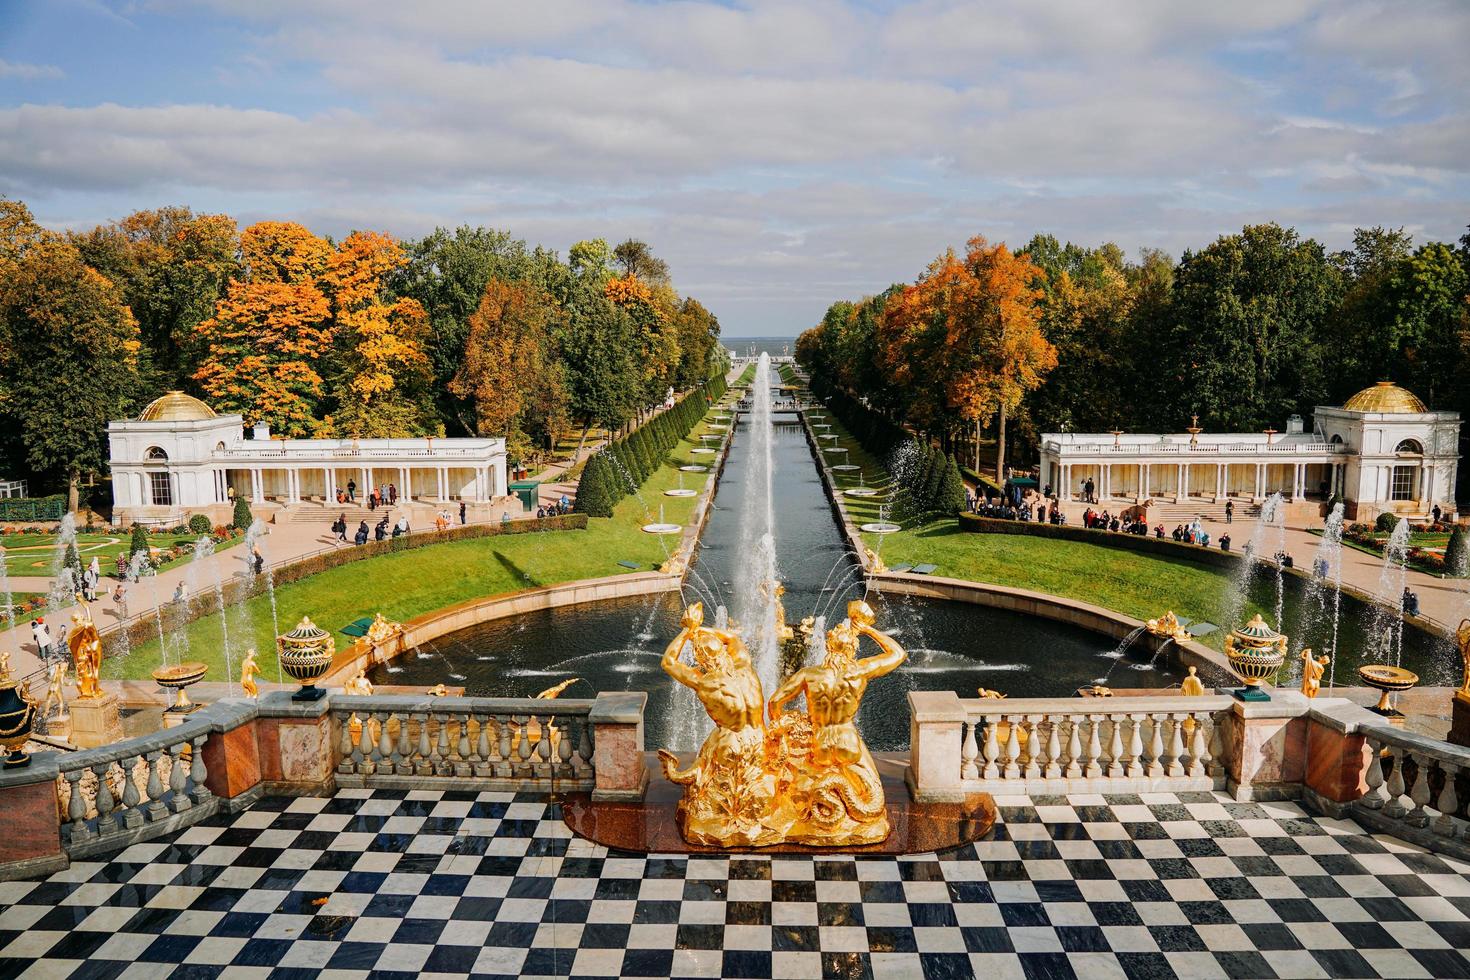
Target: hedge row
x,y
878,435
931,481
621,467
144,628
33,508
1161,547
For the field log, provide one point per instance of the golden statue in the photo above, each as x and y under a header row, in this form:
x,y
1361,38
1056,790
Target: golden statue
x,y
4,658
987,694
248,672
552,692
439,691
1312,668
1098,691
1191,686
380,630
836,786
86,652
729,788
358,685
807,778
1168,625
1462,637
875,562
54,692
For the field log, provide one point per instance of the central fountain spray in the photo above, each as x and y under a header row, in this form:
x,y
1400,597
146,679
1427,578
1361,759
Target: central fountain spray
x,y
756,609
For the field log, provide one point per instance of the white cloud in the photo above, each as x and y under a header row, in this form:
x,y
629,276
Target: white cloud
x,y
27,72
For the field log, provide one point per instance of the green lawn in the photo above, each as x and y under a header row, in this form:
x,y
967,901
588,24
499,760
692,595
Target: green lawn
x,y
1137,585
35,554
411,583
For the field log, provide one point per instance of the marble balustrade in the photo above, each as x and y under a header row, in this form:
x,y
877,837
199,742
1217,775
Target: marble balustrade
x,y
1416,788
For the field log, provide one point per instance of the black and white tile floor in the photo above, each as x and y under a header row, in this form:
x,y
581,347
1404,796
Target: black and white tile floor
x,y
487,884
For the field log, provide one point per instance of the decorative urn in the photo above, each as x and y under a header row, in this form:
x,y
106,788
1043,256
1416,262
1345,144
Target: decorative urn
x,y
1255,651
1389,680
17,721
306,654
177,678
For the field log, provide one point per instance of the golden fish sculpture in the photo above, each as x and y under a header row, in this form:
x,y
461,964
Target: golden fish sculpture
x,y
766,776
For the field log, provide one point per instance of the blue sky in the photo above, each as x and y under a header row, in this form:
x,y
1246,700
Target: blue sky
x,y
780,155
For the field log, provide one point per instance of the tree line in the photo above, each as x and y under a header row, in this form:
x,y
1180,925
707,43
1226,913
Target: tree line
x,y
1250,329
467,331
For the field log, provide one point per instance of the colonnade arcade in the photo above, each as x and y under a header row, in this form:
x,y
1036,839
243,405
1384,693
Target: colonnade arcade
x,y
1210,480
298,484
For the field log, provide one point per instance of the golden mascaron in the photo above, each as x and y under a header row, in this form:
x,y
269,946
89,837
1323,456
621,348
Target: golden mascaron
x,y
767,776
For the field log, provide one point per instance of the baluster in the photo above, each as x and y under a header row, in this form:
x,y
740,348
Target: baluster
x,y
403,761
1419,794
1395,807
463,763
76,809
1199,754
543,750
130,816
483,769
198,771
1074,747
1115,748
1013,747
424,764
1054,748
1155,743
584,747
384,748
503,768
105,820
365,746
1176,745
1214,761
178,800
969,752
1449,801
443,765
1094,747
344,747
523,746
992,748
1133,760
1377,793
156,809
1033,747
564,749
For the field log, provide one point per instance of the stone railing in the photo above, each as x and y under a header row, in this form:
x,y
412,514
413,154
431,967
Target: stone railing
x,y
1065,745
229,754
1416,788
111,796
410,742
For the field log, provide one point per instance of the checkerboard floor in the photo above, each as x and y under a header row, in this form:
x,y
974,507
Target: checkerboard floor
x,y
492,884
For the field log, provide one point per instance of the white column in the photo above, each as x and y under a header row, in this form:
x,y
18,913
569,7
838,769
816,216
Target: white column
x,y
1143,493
257,492
1106,481
1260,480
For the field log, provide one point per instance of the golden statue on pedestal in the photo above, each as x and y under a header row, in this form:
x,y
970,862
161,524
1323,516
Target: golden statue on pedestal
x,y
86,652
1312,668
805,779
249,670
1462,638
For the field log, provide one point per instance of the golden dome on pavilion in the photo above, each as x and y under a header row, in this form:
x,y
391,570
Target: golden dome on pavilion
x,y
175,406
1385,397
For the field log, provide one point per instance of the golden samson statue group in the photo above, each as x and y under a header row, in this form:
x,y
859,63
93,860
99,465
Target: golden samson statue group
x,y
769,776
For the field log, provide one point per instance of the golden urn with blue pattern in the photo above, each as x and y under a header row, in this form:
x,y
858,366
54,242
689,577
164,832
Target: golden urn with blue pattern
x,y
306,654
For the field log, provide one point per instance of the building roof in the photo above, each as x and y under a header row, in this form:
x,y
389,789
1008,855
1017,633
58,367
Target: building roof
x,y
1385,397
175,406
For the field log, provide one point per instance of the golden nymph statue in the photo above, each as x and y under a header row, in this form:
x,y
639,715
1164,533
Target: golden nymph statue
x,y
804,778
86,652
249,670
1312,668
1462,638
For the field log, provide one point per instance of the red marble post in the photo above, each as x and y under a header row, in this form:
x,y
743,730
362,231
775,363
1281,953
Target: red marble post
x,y
1266,747
294,745
232,758
31,842
617,757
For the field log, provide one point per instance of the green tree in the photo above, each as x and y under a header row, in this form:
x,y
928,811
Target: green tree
x,y
593,497
951,496
242,517
1457,553
595,344
1249,317
138,541
70,354
636,259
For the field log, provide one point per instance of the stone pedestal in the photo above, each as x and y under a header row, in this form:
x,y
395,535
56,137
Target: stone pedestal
x,y
1266,747
294,746
936,729
618,761
31,844
1460,719
95,721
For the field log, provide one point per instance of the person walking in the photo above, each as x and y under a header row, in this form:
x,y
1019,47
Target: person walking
x,y
351,491
392,495
91,575
120,600
362,533
461,512
42,636
1229,512
340,528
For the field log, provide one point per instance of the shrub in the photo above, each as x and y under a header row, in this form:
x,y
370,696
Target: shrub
x,y
951,497
1386,522
1456,558
200,524
593,498
242,517
139,541
33,508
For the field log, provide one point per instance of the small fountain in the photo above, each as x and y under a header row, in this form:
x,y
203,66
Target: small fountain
x,y
845,466
862,489
65,578
661,526
680,490
256,564
882,525
1392,579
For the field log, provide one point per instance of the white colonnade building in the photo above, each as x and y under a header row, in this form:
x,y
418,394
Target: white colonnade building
x,y
1382,450
179,458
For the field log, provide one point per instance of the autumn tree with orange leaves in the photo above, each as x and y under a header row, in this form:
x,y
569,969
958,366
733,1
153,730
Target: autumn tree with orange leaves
x,y
965,340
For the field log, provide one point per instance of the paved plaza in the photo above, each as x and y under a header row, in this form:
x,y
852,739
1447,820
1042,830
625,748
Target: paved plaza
x,y
399,883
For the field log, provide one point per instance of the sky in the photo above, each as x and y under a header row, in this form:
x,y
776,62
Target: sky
x,y
780,154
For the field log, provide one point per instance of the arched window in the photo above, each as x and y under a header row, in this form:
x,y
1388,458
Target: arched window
x,y
1337,438
219,447
1412,446
155,453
